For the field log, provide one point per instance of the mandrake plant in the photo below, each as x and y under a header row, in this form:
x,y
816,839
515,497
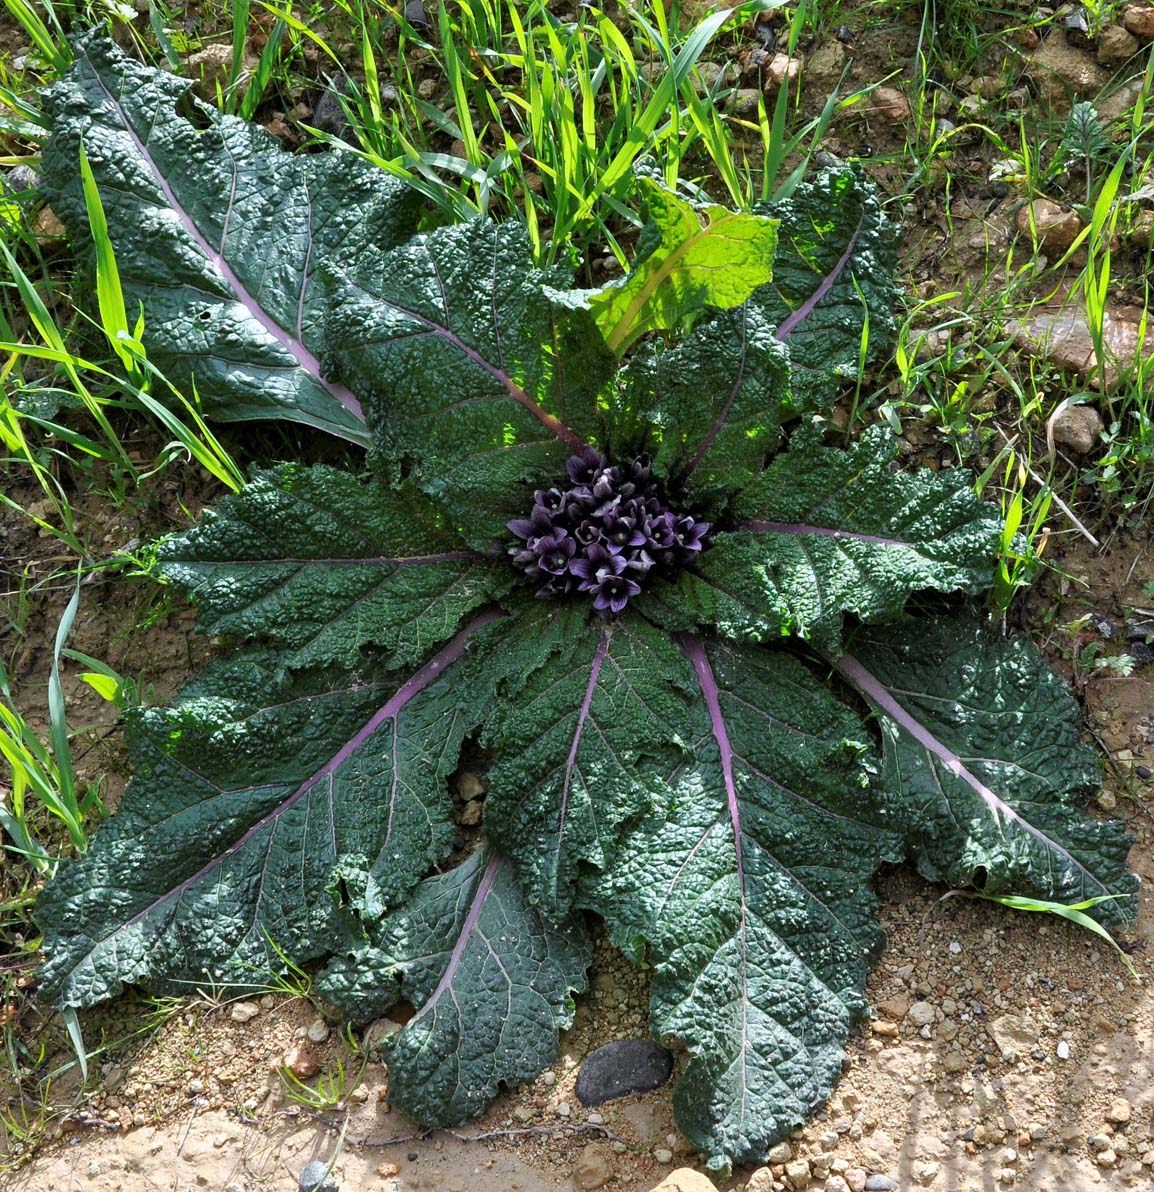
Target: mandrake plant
x,y
601,535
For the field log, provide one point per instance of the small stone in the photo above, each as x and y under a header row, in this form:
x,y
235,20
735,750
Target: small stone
x,y
195,1088
563,1110
1055,227
663,1155
302,1061
895,1008
1119,1112
926,1173
1107,800
798,1173
1005,1175
820,1164
855,1177
211,68
835,1183
1062,73
954,1062
47,225
880,1183
1099,1142
781,69
1063,1050
760,1181
594,1167
824,67
989,86
522,1114
890,104
427,88
1139,20
1116,45
469,786
472,812
782,1153
1107,1158
550,1078
23,177
685,1179
620,1067
1013,1034
745,101
244,1011
881,1026
921,1014
1078,427
318,1031
316,1178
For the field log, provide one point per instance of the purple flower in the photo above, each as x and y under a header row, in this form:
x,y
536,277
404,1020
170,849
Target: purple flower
x,y
603,532
659,531
598,559
622,531
554,552
689,533
584,466
552,499
613,591
588,532
539,523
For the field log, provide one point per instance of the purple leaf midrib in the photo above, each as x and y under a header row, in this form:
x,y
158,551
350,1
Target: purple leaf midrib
x,y
695,649
767,527
789,324
723,416
412,687
571,760
352,561
472,918
569,437
296,347
878,694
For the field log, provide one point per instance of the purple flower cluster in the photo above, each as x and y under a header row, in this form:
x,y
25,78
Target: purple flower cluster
x,y
603,533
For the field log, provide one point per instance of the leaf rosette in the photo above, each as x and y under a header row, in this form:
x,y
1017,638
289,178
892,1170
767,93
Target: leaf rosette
x,y
601,536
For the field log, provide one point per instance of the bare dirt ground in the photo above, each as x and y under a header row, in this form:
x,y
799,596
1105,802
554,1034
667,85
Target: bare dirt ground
x,y
1009,1050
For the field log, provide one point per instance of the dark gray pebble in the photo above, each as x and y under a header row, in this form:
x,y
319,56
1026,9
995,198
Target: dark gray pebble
x,y
22,178
1143,771
315,1178
624,1066
880,1183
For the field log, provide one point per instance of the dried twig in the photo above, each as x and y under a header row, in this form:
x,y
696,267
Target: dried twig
x,y
1054,497
423,1136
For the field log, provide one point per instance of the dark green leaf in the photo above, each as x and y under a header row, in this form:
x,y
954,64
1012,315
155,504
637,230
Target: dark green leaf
x,y
323,564
254,795
587,713
833,275
491,979
983,765
823,532
219,233
748,888
717,400
468,366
